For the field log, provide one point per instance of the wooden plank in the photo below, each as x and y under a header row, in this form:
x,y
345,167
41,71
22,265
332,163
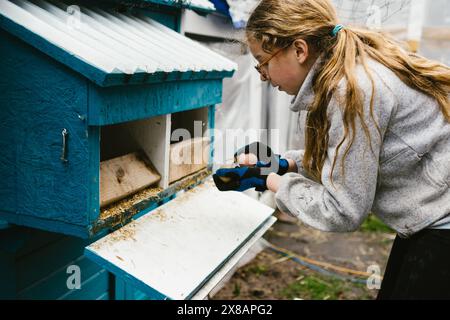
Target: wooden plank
x,y
42,262
125,291
104,296
91,289
37,262
174,250
187,157
125,175
54,285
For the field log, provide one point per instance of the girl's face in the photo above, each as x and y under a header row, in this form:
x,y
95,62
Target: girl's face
x,y
286,69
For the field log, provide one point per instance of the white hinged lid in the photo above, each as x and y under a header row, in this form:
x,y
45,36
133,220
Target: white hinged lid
x,y
181,247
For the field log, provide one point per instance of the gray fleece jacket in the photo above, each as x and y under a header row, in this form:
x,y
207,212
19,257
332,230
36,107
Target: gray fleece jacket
x,y
404,181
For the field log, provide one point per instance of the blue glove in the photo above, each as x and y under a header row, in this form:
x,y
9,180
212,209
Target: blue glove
x,y
240,179
266,158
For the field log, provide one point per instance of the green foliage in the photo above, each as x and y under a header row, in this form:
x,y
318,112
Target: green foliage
x,y
259,269
373,224
237,289
320,288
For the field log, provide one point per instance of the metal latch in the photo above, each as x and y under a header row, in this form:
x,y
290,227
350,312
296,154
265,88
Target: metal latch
x,y
64,145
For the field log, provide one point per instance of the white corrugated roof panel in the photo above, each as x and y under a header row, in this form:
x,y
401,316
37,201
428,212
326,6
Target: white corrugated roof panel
x,y
113,42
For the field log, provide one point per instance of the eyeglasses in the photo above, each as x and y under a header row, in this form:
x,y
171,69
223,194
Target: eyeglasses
x,y
259,66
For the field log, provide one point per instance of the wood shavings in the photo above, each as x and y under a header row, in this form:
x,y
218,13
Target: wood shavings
x,y
121,212
128,203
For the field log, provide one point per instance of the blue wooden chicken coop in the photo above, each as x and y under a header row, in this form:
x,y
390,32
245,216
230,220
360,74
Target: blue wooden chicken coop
x,y
95,99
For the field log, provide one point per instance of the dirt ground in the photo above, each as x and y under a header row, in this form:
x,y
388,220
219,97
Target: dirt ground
x,y
272,276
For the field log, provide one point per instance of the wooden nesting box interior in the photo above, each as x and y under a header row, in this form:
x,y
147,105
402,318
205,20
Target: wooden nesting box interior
x,y
132,158
190,148
154,153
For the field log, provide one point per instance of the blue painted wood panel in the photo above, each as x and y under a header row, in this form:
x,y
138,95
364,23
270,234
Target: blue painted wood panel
x,y
169,18
125,291
37,269
121,104
93,288
166,15
94,282
48,225
54,257
93,201
126,278
40,97
8,286
15,240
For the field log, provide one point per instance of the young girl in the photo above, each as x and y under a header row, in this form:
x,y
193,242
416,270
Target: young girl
x,y
377,138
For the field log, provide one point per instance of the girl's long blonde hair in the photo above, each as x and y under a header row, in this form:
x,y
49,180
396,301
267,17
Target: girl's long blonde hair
x,y
277,23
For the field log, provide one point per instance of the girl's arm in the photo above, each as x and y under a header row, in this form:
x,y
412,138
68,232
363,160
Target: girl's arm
x,y
273,180
342,203
292,166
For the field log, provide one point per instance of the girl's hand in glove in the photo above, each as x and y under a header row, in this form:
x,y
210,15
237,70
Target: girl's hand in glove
x,y
240,179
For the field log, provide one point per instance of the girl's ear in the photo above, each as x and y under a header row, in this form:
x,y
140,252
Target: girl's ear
x,y
301,50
